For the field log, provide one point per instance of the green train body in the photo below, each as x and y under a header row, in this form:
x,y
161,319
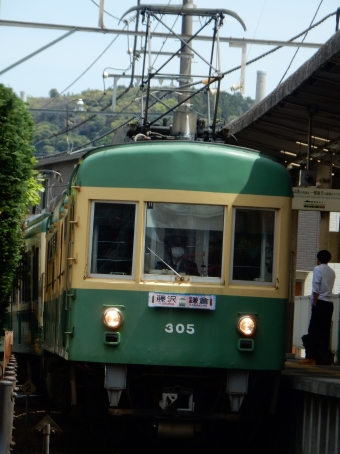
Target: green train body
x,y
104,247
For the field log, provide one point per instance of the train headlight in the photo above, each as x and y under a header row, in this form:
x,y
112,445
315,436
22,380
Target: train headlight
x,y
113,318
246,325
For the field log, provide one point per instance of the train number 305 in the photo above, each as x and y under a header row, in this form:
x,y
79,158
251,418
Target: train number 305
x,y
180,329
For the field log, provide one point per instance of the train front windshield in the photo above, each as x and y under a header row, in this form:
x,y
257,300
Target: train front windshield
x,y
183,239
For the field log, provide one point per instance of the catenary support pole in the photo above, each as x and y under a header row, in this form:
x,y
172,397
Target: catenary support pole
x,y
185,59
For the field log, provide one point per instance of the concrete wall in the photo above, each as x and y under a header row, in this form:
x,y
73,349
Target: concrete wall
x,y
308,246
308,240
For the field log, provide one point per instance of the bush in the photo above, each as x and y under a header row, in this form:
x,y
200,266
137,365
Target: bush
x,y
16,178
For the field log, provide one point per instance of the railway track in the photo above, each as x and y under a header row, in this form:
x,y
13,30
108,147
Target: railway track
x,y
85,437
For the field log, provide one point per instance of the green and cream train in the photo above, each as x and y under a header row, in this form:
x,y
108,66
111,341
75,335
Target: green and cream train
x,y
160,280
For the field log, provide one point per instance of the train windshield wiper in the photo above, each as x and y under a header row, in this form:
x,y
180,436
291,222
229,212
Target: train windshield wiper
x,y
170,268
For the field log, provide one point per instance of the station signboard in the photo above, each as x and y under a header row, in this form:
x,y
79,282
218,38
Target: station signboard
x,y
316,199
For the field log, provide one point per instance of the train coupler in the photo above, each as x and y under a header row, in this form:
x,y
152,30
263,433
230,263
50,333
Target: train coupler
x,y
177,429
177,400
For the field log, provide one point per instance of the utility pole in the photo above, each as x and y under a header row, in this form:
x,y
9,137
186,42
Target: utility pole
x,y
186,54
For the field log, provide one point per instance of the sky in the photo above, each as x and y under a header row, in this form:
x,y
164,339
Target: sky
x,y
77,62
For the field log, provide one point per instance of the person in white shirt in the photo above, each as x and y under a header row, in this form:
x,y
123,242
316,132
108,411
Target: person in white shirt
x,y
316,342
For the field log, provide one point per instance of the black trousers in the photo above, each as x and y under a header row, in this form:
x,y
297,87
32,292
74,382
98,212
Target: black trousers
x,y
317,340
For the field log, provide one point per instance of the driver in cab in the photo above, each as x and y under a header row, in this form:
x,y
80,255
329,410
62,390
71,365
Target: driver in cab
x,y
176,245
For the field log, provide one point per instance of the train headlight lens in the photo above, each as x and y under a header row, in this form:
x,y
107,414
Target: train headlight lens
x,y
246,325
113,318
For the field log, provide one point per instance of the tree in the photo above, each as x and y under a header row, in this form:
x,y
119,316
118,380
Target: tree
x,y
51,129
53,93
18,185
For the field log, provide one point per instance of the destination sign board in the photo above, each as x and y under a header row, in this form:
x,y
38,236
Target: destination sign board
x,y
184,301
316,199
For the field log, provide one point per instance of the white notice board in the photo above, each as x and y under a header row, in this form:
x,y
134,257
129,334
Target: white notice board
x,y
316,199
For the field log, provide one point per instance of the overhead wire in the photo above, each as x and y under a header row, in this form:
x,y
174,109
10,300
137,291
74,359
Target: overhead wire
x,y
257,26
278,47
84,72
132,73
165,40
110,103
119,126
111,131
223,74
102,136
297,50
106,11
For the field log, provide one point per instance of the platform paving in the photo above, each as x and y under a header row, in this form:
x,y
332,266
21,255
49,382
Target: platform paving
x,y
322,380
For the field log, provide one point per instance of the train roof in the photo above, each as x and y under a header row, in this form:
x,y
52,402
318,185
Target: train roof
x,y
36,224
188,166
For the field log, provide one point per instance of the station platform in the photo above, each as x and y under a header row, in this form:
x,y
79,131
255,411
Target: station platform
x,y
308,409
322,380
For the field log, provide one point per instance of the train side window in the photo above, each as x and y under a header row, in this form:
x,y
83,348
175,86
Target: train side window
x,y
112,239
65,227
26,278
35,277
253,245
52,246
184,239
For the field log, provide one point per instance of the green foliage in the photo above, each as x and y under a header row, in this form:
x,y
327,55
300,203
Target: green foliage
x,y
18,187
34,186
229,106
54,128
53,93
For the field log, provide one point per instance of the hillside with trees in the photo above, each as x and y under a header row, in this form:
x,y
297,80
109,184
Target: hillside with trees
x,y
67,124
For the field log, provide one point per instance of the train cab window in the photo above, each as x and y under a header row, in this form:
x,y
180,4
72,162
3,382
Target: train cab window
x,y
183,240
253,245
112,239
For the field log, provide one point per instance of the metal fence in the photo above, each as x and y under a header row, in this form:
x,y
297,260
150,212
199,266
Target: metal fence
x,y
302,313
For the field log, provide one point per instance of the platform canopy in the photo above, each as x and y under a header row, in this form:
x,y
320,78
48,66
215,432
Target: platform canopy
x,y
279,124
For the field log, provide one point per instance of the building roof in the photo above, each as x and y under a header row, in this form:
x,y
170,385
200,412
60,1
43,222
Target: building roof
x,y
280,122
60,157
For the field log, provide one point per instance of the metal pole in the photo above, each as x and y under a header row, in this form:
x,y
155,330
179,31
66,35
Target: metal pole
x,y
6,415
114,94
263,42
68,143
47,189
185,41
216,106
46,439
208,88
185,61
208,106
27,409
310,123
243,69
149,76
